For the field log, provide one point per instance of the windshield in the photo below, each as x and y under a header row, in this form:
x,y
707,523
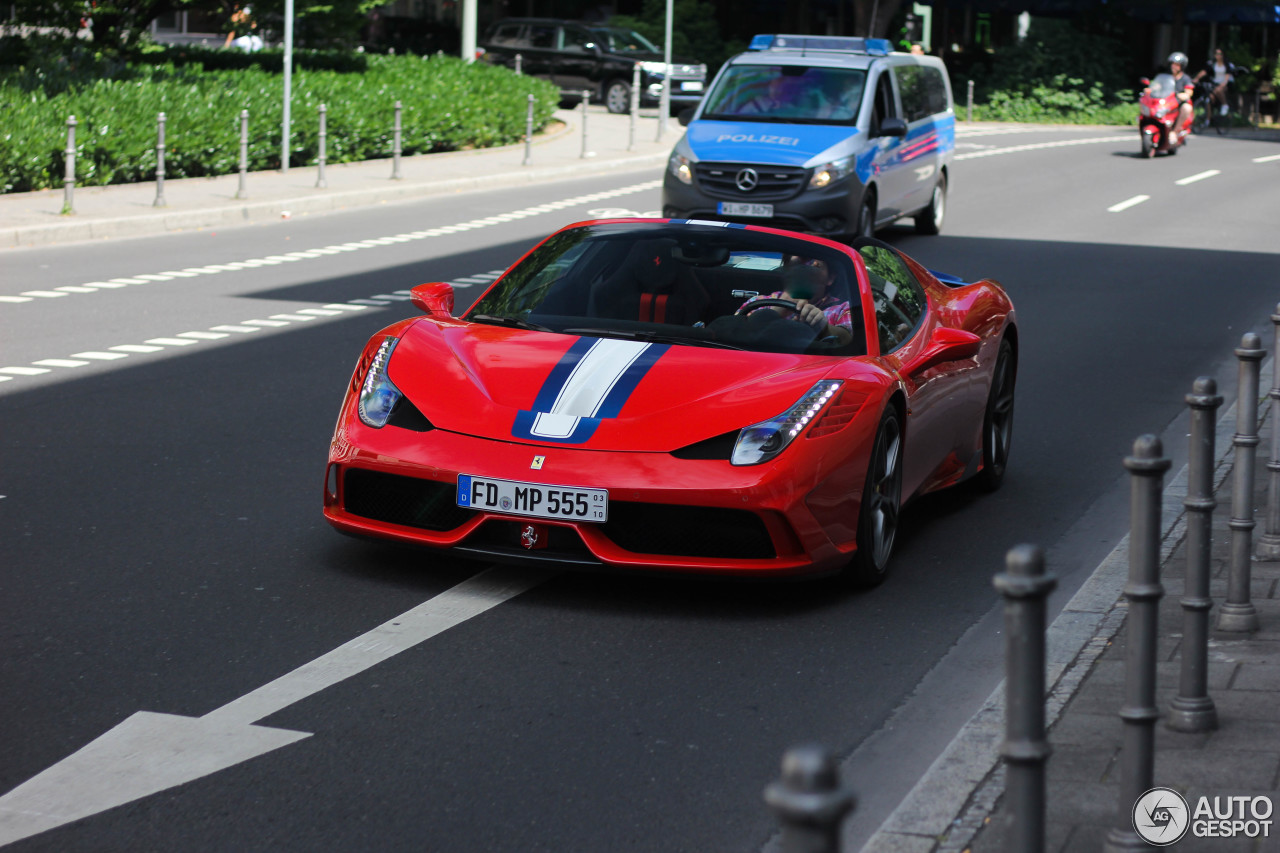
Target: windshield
x,y
625,41
1162,86
785,93
684,284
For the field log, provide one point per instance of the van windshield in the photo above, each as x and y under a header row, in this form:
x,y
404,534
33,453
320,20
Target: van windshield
x,y
787,94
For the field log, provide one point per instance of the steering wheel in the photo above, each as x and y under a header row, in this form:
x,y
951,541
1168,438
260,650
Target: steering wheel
x,y
765,303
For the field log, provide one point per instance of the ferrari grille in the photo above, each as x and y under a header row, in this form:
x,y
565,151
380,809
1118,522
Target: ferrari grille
x,y
408,501
688,531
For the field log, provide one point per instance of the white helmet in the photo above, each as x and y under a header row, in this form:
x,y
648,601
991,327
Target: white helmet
x,y
1178,57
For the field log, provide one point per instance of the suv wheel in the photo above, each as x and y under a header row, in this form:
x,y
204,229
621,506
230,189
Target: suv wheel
x,y
617,97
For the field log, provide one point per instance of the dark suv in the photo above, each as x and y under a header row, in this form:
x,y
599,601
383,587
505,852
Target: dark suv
x,y
592,57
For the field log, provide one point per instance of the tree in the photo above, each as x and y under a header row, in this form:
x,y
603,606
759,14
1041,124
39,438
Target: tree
x,y
871,18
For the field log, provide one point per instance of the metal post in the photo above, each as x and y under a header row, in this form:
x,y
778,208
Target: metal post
x,y
1269,542
519,63
586,99
1238,612
1144,591
635,105
809,801
968,116
286,132
1192,710
664,101
243,191
69,180
159,202
324,135
528,134
1025,588
395,147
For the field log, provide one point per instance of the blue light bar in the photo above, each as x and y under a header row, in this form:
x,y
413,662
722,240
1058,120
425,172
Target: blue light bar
x,y
838,44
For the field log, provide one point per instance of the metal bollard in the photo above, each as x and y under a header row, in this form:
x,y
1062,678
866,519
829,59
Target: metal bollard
x,y
528,134
1238,612
1192,710
809,801
159,202
586,99
1144,591
1025,588
1269,542
395,147
519,62
321,183
242,191
69,178
969,111
635,105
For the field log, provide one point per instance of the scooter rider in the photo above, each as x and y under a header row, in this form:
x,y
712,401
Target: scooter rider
x,y
1183,85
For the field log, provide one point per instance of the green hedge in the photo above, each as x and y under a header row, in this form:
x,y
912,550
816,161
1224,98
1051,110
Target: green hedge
x,y
447,105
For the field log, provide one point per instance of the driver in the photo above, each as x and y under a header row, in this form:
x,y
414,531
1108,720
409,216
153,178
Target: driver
x,y
808,283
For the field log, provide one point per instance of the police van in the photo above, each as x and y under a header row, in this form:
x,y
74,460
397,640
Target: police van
x,y
824,134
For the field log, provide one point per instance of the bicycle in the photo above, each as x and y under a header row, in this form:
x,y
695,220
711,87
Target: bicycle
x,y
1204,107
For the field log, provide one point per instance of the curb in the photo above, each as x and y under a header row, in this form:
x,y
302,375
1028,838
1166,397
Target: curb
x,y
949,805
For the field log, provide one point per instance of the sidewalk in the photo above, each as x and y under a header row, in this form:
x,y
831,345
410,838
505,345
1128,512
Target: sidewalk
x,y
1241,757
127,210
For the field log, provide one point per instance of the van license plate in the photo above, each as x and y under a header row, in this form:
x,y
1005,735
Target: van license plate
x,y
742,208
537,500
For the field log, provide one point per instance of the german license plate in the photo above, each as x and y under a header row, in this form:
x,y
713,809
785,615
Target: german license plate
x,y
742,208
535,500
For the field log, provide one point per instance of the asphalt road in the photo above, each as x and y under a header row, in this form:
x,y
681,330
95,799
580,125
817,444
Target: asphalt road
x,y
163,548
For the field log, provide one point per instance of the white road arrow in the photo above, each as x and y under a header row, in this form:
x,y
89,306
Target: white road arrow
x,y
149,752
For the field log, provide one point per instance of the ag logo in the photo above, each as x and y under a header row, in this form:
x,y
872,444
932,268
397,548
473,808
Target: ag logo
x,y
1161,817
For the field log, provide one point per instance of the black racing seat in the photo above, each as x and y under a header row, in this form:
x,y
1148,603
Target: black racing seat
x,y
651,286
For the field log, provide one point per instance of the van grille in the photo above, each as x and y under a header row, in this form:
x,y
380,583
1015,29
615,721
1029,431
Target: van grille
x,y
773,182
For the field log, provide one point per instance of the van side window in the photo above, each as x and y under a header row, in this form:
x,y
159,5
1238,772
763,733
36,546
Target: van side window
x,y
884,104
922,90
899,299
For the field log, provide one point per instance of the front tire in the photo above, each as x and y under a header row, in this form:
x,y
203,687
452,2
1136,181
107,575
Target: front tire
x,y
997,422
929,220
881,501
1148,145
867,216
617,97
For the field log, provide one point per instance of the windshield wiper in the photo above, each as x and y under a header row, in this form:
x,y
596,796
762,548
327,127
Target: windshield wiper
x,y
509,322
651,337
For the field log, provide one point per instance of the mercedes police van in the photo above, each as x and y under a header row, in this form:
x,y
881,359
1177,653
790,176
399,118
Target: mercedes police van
x,y
830,135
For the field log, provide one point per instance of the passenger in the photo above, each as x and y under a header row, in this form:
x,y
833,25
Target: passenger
x,y
808,284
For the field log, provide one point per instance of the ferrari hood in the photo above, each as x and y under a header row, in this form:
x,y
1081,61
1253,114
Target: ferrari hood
x,y
595,393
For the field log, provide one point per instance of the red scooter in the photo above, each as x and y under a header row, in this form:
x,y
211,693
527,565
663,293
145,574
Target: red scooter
x,y
1157,114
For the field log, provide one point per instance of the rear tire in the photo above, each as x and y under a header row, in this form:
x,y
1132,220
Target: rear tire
x,y
929,220
881,501
997,422
617,97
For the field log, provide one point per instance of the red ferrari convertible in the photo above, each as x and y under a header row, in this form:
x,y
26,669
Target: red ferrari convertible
x,y
678,396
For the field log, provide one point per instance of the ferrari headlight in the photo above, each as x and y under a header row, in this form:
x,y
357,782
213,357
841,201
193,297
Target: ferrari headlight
x,y
681,168
763,441
829,173
378,394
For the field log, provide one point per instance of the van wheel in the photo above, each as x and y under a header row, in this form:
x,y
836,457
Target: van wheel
x,y
867,216
617,98
929,220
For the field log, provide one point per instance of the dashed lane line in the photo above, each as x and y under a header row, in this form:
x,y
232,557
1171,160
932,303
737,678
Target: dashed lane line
x,y
1128,203
308,254
1270,159
1198,177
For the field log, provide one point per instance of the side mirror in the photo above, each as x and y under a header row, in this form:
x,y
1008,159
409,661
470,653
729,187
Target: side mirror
x,y
435,298
686,116
1146,81
945,345
893,127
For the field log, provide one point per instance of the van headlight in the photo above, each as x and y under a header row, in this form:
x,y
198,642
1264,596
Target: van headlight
x,y
829,173
765,440
680,166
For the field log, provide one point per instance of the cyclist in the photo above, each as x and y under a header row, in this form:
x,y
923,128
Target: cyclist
x,y
1222,72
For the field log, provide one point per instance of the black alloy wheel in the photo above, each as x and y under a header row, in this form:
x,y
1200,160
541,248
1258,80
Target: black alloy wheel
x,y
997,424
881,501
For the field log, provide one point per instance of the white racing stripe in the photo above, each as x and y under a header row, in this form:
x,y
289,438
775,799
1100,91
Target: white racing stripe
x,y
587,386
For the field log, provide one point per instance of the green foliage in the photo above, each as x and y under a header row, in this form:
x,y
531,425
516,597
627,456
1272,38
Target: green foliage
x,y
447,105
1063,100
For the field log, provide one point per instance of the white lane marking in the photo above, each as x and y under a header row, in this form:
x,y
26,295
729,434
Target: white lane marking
x,y
342,306
371,301
172,342
109,285
154,277
179,274
294,317
1271,159
204,336
5,379
1128,203
1062,143
47,294
74,289
60,362
151,752
394,297
16,299
244,330
24,371
264,323
99,356
1199,177
129,280
319,312
138,348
